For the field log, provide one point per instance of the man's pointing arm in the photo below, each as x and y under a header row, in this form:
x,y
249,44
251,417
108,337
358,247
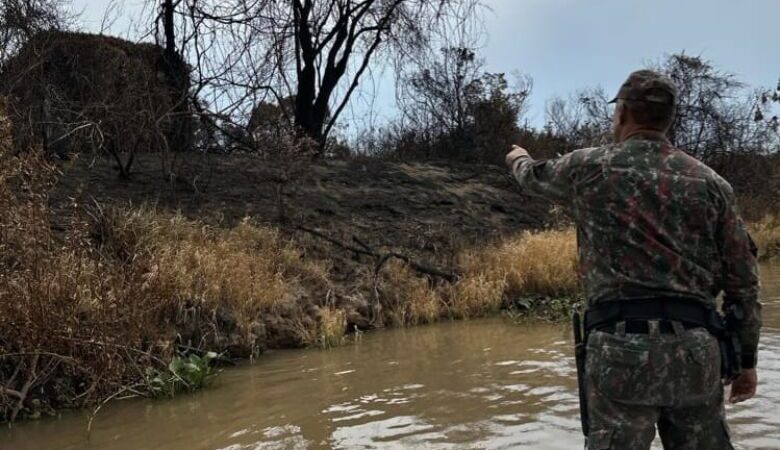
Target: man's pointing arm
x,y
551,179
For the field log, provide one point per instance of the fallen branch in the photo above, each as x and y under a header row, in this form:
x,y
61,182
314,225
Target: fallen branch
x,y
105,402
67,359
22,394
116,346
11,393
448,275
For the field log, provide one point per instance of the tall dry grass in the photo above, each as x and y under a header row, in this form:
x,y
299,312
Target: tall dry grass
x,y
241,273
518,270
493,277
83,315
766,234
88,308
404,298
332,328
529,265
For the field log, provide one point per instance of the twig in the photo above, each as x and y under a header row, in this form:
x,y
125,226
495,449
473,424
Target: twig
x,y
53,355
359,242
424,268
123,347
337,243
22,394
379,264
450,276
103,403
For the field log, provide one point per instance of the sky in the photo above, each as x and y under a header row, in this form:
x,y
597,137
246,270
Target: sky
x,y
565,45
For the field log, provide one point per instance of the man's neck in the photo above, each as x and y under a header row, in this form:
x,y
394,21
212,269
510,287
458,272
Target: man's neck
x,y
644,133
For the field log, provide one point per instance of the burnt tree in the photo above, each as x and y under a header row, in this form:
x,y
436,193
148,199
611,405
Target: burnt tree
x,y
316,51
78,92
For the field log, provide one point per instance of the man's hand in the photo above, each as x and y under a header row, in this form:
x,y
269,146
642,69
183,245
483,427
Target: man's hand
x,y
514,154
744,387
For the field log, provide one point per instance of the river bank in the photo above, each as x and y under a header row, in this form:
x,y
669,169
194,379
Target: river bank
x,y
106,283
477,384
89,322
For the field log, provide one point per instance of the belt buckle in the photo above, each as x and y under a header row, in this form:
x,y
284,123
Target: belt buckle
x,y
654,328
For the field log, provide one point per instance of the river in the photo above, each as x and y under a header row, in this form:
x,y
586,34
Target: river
x,y
484,384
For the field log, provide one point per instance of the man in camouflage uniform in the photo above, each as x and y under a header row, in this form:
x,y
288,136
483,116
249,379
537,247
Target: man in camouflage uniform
x,y
654,225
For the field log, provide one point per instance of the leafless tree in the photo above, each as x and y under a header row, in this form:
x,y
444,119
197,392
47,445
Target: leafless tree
x,y
582,120
716,113
316,51
441,94
20,20
452,107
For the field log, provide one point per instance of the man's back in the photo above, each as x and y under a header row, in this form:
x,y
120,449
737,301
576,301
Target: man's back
x,y
648,216
652,222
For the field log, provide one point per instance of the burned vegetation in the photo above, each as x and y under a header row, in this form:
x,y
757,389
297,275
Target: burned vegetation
x,y
88,94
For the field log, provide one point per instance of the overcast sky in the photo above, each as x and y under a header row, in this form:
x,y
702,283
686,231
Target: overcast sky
x,y
569,44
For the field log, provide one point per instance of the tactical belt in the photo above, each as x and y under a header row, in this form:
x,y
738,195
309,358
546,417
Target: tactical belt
x,y
643,327
691,313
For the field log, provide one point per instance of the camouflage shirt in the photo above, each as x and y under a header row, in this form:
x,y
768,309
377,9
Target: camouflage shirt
x,y
652,221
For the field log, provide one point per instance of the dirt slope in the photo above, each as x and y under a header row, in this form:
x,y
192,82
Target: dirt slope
x,y
427,209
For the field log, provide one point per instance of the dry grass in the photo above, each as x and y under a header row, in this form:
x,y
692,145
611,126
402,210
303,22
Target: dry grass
x,y
247,269
528,265
124,289
766,233
476,295
525,266
405,298
542,264
332,327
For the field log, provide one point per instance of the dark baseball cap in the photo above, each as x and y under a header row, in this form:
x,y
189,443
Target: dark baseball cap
x,y
648,86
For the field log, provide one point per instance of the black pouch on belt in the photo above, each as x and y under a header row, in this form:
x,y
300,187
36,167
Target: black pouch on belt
x,y
730,347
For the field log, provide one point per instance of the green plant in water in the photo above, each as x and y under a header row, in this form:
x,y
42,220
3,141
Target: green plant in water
x,y
184,373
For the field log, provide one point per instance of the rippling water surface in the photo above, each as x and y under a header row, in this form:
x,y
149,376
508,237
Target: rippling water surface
x,y
467,385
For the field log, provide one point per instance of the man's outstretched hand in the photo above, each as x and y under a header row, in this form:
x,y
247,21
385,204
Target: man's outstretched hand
x,y
744,387
516,152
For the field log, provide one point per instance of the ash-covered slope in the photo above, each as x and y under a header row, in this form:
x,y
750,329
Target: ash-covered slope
x,y
422,208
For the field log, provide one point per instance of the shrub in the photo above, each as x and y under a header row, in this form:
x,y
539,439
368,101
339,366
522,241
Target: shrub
x,y
82,92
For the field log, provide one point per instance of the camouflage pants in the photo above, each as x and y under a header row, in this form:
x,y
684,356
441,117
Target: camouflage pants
x,y
637,382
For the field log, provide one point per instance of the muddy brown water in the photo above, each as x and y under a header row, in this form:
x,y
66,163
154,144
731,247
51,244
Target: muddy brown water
x,y
485,384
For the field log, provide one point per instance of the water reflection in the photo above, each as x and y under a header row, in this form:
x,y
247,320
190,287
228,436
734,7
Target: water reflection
x,y
470,385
